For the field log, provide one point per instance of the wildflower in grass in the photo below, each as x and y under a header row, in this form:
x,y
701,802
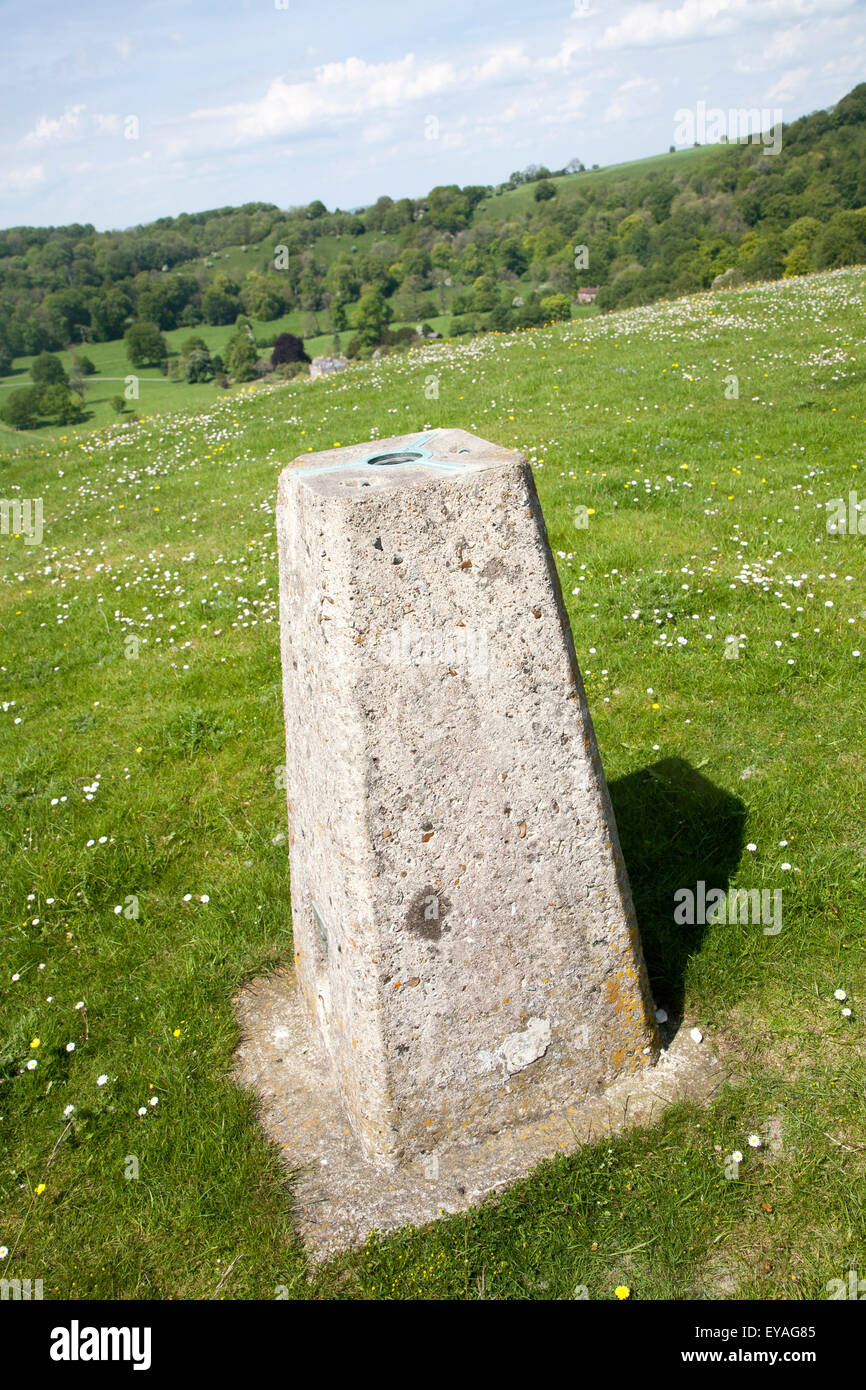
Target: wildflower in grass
x,y
80,1004
118,909
754,1141
751,848
101,1080
39,1189
15,977
187,897
846,1013
176,1033
622,1291
839,994
69,1110
205,898
32,1064
142,1110
737,1156
154,1100
4,1251
70,1047
35,1042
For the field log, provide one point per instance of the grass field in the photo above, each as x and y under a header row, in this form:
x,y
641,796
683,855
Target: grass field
x,y
721,632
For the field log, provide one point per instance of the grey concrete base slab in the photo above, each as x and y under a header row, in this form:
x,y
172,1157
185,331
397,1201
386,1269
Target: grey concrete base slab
x,y
341,1196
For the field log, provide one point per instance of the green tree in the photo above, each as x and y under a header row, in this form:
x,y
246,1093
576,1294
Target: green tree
x,y
145,345
513,255
21,408
485,294
798,261
544,190
109,309
843,241
556,306
197,365
372,318
58,403
260,298
48,370
241,356
220,303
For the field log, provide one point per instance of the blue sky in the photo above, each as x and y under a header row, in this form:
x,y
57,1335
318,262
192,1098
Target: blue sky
x,y
116,114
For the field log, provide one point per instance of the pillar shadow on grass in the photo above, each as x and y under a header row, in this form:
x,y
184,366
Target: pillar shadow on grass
x,y
676,828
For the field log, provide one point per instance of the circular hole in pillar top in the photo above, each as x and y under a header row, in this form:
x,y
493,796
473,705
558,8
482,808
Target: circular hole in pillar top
x,y
394,458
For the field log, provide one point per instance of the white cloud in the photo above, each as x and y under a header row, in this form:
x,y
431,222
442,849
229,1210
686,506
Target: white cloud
x,y
788,85
574,43
648,24
782,46
65,127
633,100
503,62
337,92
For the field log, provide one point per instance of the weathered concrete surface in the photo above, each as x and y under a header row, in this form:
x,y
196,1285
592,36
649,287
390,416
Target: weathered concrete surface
x,y
464,933
340,1197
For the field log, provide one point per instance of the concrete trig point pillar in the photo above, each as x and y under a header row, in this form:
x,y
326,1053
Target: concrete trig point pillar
x,y
464,934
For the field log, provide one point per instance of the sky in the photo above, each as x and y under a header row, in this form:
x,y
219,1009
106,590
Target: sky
x,y
118,114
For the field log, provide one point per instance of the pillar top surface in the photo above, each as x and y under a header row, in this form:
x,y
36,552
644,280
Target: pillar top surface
x,y
358,470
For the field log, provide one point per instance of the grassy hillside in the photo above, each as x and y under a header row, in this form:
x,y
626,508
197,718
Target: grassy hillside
x,y
721,632
490,258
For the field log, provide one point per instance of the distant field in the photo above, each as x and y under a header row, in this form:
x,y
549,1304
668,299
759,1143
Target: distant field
x,y
158,395
517,202
721,633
